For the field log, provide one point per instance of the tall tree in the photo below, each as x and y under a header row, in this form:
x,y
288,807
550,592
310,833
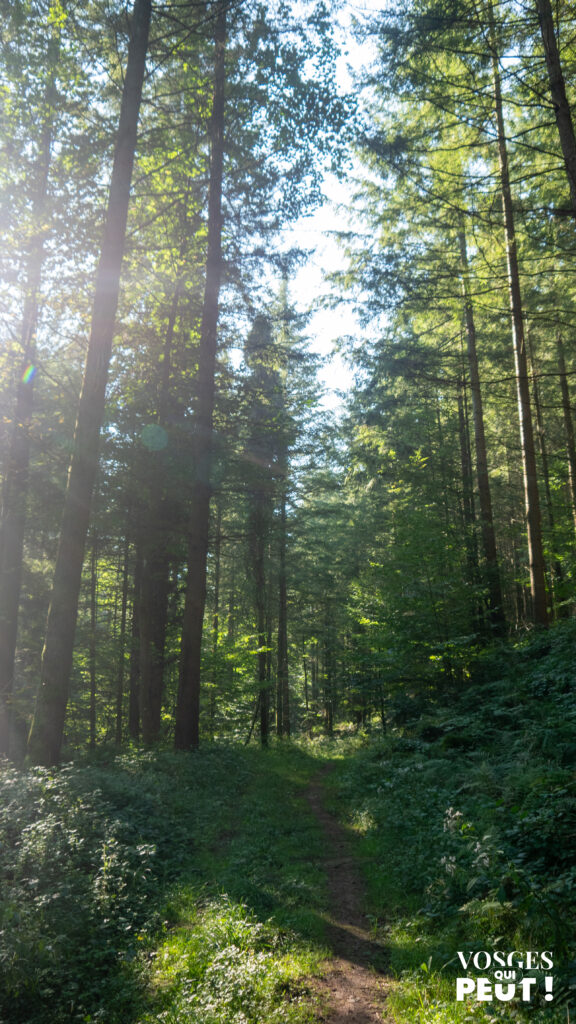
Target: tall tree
x,y
188,707
46,734
15,484
496,602
531,491
562,111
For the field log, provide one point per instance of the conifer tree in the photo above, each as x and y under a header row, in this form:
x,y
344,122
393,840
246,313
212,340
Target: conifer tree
x,y
45,741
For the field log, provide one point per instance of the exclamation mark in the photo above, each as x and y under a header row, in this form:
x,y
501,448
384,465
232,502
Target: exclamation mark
x,y
548,986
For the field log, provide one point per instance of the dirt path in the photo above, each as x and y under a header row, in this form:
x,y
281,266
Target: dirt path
x,y
355,985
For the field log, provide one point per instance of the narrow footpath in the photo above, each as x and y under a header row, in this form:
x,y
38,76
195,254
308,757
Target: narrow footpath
x,y
355,986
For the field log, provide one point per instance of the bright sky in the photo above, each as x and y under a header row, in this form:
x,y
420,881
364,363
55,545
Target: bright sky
x,y
326,326
316,232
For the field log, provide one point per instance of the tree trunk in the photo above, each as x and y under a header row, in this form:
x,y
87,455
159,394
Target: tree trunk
x,y
153,610
468,508
495,599
15,486
134,677
153,605
46,735
568,424
531,495
187,728
267,687
259,577
122,658
14,505
283,685
306,701
314,674
560,103
215,619
556,566
92,645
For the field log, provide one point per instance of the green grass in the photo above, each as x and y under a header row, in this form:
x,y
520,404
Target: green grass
x,y
160,887
466,826
189,889
420,871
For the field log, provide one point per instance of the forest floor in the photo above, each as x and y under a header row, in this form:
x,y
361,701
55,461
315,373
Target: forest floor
x,y
354,986
316,882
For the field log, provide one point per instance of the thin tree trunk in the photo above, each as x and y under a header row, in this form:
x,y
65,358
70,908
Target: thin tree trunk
x,y
531,495
568,424
556,566
268,652
231,617
306,702
468,509
560,103
314,673
215,619
260,599
253,722
46,735
283,685
122,658
134,677
15,487
495,599
153,605
187,729
519,594
92,645
14,506
328,695
153,610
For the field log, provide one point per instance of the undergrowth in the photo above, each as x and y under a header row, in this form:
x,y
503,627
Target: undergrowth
x,y
467,819
159,887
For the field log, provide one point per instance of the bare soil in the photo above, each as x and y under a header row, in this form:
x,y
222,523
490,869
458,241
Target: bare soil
x,y
354,987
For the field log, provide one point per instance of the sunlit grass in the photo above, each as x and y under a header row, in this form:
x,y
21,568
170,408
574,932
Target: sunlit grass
x,y
221,965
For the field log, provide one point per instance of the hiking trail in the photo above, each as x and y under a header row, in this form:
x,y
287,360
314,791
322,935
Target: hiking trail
x,y
354,987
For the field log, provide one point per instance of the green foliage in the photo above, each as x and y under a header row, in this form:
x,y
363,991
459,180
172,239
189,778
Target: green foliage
x,y
153,883
229,968
468,823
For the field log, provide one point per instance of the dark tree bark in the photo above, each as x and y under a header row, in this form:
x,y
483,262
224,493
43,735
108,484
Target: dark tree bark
x,y
46,734
15,487
495,600
259,521
153,610
568,424
329,701
531,493
187,728
314,676
92,645
265,672
556,565
134,676
468,505
468,508
155,583
283,684
215,619
306,701
562,111
122,654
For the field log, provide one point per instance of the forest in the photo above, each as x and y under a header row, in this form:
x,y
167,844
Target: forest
x,y
242,624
